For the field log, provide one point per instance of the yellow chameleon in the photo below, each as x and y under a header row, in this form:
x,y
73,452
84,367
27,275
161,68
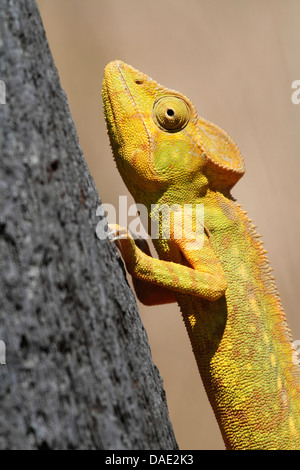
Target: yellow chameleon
x,y
168,155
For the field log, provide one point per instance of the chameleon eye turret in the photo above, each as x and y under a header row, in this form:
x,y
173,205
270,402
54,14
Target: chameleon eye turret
x,y
171,113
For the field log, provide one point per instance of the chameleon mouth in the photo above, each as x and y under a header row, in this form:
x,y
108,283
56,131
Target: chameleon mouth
x,y
115,83
121,99
123,116
115,86
128,133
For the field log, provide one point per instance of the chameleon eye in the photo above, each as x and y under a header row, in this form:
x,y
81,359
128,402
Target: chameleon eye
x,y
171,113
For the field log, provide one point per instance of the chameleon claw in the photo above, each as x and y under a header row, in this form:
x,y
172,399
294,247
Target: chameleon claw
x,y
122,237
119,232
119,237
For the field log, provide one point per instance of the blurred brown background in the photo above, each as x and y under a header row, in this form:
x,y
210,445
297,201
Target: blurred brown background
x,y
236,61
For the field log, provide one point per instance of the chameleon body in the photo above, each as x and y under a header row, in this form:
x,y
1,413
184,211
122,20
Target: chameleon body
x,y
167,154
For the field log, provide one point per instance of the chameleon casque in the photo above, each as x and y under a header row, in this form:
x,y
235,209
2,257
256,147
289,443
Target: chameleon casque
x,y
167,154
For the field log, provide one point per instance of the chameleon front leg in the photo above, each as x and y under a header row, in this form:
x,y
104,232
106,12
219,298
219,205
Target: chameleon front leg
x,y
207,281
147,293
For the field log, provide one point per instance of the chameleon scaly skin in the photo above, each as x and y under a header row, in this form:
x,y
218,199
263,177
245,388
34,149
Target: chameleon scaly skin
x,y
167,154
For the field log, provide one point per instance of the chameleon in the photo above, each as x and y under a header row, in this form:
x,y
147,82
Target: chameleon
x,y
231,308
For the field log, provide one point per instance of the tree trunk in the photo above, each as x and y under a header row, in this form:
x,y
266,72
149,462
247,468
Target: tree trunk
x,y
78,372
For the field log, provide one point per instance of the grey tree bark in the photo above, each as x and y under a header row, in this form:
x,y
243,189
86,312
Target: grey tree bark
x,y
78,373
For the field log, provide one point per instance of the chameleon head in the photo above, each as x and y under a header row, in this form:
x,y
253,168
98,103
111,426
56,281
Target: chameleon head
x,y
158,140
